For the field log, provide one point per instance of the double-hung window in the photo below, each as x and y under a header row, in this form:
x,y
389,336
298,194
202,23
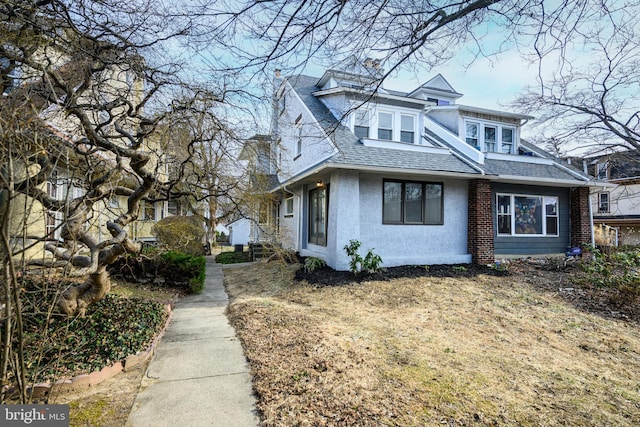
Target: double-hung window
x,y
407,129
361,125
508,135
288,206
411,202
472,133
385,126
490,133
603,202
527,215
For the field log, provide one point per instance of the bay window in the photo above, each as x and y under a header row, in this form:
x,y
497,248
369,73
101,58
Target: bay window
x,y
527,215
410,202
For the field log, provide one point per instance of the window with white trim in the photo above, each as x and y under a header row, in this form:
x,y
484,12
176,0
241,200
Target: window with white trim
x,y
361,123
288,206
602,170
603,202
299,136
385,126
527,215
407,128
318,210
148,211
490,137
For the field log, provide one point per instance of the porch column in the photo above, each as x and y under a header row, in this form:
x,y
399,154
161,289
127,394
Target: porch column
x,y
344,216
580,216
480,222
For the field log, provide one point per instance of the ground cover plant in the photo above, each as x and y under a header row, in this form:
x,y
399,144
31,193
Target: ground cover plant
x,y
519,345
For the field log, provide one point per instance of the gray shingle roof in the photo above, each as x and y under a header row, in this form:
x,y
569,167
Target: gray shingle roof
x,y
352,152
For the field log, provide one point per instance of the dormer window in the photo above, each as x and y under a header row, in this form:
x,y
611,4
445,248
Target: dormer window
x,y
385,126
490,137
361,126
407,129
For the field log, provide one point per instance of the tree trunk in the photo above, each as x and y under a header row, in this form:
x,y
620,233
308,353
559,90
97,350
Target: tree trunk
x,y
75,299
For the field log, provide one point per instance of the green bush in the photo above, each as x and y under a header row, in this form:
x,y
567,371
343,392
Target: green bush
x,y
179,266
313,263
180,234
371,263
233,257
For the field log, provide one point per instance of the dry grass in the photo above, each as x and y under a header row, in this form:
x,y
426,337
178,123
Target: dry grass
x,y
431,351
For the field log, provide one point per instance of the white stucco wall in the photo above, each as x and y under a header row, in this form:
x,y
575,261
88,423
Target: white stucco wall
x,y
415,244
355,212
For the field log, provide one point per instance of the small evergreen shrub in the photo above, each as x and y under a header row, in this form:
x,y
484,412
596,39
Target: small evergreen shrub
x,y
179,266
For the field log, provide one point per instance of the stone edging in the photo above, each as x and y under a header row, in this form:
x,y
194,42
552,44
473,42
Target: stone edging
x,y
84,381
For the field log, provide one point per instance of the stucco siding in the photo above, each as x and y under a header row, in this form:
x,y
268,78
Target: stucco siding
x,y
415,244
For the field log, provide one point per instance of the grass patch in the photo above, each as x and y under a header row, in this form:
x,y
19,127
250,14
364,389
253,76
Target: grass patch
x,y
483,350
233,257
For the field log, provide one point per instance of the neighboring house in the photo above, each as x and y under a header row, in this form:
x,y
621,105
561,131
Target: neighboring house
x,y
616,207
415,176
239,231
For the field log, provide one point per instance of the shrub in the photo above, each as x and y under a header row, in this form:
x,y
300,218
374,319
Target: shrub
x,y
618,270
180,234
371,263
313,263
178,266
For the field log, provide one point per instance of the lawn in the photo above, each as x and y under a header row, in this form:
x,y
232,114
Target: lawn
x,y
526,349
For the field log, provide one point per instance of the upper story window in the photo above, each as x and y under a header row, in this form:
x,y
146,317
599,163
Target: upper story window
x,y
361,125
602,170
603,202
407,129
491,138
288,206
299,136
385,126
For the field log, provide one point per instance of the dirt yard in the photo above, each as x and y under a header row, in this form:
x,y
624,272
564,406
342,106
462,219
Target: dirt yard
x,y
444,347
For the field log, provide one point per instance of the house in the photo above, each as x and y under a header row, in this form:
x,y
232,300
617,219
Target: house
x,y
616,207
415,176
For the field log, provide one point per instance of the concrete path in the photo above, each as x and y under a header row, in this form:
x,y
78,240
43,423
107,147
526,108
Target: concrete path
x,y
198,375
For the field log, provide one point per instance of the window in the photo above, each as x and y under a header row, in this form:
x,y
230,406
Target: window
x,y
385,126
527,215
174,207
50,224
472,134
361,126
318,208
288,206
148,211
603,202
602,170
282,102
299,135
405,202
507,140
490,138
407,129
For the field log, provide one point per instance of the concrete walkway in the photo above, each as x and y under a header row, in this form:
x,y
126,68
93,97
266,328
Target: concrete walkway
x,y
198,375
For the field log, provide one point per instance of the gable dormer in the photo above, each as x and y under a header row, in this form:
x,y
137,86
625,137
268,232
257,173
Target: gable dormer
x,y
437,90
353,74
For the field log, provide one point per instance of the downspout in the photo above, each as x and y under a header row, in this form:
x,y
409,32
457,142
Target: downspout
x,y
593,239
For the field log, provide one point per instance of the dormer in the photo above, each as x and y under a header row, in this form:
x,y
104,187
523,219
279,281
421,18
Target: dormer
x,y
437,90
352,74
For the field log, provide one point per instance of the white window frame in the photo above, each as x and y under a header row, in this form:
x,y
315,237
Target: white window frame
x,y
602,203
481,142
602,170
378,127
511,215
298,137
288,206
414,120
364,119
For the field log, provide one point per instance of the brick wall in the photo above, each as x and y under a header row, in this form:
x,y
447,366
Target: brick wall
x,y
579,216
480,231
